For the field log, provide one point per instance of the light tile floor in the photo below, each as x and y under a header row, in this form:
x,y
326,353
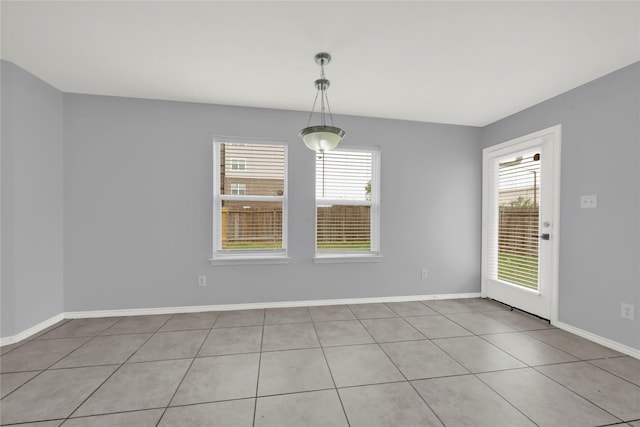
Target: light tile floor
x,y
466,362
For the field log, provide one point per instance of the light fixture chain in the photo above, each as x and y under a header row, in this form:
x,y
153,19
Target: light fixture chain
x,y
323,96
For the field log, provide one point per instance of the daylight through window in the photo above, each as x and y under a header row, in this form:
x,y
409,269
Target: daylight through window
x,y
347,202
250,199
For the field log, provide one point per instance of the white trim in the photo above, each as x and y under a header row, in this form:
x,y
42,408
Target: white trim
x,y
239,259
32,330
343,202
217,198
249,198
557,166
221,307
345,258
614,345
633,352
259,305
374,215
556,132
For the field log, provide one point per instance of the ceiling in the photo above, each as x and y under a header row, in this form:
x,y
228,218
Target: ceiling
x,y
468,63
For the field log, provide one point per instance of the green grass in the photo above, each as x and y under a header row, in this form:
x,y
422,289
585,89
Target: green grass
x,y
527,270
343,246
252,245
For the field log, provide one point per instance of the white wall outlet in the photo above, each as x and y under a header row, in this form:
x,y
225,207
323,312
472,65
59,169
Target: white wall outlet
x,y
589,202
627,311
202,281
424,273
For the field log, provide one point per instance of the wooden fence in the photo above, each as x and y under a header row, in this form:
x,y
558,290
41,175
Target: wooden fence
x,y
263,226
251,226
346,225
518,231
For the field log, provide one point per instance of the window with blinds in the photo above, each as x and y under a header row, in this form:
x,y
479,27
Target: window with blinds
x,y
250,198
515,231
347,201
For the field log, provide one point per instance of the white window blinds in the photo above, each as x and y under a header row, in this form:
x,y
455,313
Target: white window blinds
x,y
514,231
347,201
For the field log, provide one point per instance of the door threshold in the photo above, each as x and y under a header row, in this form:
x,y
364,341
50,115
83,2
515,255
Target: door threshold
x,y
520,310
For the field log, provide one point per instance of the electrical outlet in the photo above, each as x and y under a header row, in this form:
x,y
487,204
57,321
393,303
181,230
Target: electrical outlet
x,y
589,202
424,273
627,311
202,281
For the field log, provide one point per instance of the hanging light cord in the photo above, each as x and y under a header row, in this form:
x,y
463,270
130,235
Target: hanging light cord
x,y
324,93
323,156
313,108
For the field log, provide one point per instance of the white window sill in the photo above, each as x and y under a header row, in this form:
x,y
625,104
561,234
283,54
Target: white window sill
x,y
250,260
336,259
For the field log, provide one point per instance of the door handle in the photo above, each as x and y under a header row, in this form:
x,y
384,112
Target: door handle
x,y
544,236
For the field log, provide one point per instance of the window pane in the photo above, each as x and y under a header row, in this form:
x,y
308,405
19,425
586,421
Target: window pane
x,y
343,175
344,228
257,168
518,220
238,189
251,225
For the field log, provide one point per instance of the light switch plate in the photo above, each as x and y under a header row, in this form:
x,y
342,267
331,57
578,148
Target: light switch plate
x,y
589,202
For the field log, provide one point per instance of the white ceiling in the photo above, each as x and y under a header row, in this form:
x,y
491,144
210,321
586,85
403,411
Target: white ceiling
x,y
468,63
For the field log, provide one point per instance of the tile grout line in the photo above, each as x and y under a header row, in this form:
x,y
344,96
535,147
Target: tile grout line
x,y
502,397
578,394
255,401
48,367
186,372
322,347
406,380
115,370
326,361
475,374
607,371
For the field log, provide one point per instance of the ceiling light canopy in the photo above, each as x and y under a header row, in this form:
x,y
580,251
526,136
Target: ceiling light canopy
x,y
321,137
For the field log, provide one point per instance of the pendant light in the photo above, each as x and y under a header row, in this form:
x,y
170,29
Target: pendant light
x,y
321,137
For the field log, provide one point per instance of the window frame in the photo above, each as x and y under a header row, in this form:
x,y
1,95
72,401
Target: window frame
x,y
242,256
374,254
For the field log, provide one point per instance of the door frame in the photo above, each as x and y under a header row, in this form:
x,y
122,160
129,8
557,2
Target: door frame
x,y
555,132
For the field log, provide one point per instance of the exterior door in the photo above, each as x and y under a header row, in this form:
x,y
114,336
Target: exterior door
x,y
520,222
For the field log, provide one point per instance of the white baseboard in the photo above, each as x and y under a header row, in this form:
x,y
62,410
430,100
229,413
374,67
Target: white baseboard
x,y
221,307
284,304
32,330
614,345
257,305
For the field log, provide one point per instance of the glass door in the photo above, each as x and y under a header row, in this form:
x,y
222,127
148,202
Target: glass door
x,y
520,222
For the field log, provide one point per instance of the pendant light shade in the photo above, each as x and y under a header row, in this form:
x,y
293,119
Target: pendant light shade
x,y
321,137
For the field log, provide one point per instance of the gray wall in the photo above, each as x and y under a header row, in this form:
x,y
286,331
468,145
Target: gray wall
x,y
137,204
138,209
599,248
32,211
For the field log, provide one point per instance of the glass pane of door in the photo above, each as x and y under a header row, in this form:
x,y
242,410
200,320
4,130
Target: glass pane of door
x,y
518,219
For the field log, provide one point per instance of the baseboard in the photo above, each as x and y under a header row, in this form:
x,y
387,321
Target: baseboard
x,y
222,307
32,330
257,305
614,345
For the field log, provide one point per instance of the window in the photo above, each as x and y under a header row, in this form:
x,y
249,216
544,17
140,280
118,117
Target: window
x,y
238,164
238,189
347,203
249,201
